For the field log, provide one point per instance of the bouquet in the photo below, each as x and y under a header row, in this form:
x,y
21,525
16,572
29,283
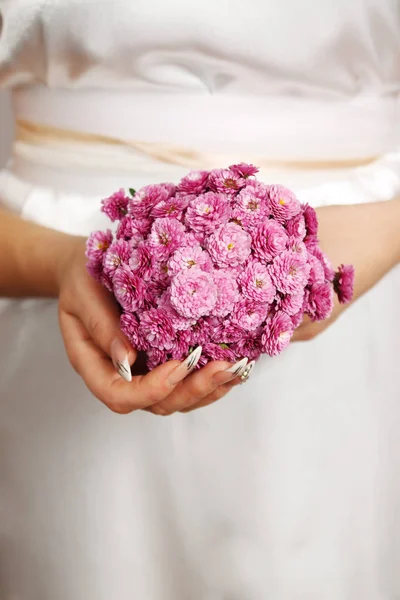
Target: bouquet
x,y
221,260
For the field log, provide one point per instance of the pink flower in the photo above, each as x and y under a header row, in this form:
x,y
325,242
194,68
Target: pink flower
x,y
256,283
319,301
130,327
289,272
250,210
116,206
208,211
128,289
269,240
259,190
225,332
189,257
248,346
317,272
95,270
181,349
118,254
218,352
226,181
179,323
296,227
193,293
298,247
194,183
155,357
147,197
278,332
291,304
311,219
97,244
243,170
156,328
297,318
344,283
133,230
141,261
200,333
227,292
284,204
311,242
249,315
173,207
326,264
166,236
230,245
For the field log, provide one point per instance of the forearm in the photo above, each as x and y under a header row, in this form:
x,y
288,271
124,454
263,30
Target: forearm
x,y
30,257
365,235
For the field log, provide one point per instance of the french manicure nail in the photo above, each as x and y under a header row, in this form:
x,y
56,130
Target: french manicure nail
x,y
234,371
247,372
119,357
186,367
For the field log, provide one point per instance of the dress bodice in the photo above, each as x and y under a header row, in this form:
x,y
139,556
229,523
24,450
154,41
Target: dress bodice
x,y
329,48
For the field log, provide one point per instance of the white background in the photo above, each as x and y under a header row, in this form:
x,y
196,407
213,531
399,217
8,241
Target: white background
x,y
6,127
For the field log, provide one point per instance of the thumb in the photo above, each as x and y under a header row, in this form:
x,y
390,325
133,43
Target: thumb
x,y
101,319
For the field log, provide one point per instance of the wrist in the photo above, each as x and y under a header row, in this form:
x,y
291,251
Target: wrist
x,y
70,249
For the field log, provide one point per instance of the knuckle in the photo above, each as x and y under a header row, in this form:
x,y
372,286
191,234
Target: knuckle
x,y
160,411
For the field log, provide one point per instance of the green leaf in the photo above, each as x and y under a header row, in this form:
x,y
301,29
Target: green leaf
x,y
132,192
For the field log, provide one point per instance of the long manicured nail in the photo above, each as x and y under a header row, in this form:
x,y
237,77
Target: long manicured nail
x,y
234,371
119,357
186,367
247,372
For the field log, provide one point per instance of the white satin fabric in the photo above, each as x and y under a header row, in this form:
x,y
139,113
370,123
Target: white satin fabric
x,y
288,489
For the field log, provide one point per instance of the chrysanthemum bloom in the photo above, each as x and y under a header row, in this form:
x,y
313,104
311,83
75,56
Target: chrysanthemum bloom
x,y
130,327
248,345
249,210
227,292
147,197
278,332
173,207
207,212
141,260
179,323
181,349
311,219
218,352
194,183
289,272
319,301
128,289
97,244
284,204
199,333
193,293
292,303
325,262
297,318
118,254
157,329
256,283
317,271
298,247
188,257
223,331
344,283
229,246
269,240
166,236
296,227
155,357
226,181
243,170
133,230
116,206
248,314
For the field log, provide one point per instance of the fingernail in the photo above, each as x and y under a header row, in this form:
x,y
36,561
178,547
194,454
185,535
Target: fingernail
x,y
119,357
186,367
247,372
234,371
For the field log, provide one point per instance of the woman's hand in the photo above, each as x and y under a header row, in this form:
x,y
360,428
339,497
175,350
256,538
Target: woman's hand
x,y
366,236
96,347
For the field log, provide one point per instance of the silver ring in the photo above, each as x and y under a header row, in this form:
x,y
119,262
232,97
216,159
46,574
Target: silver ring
x,y
247,372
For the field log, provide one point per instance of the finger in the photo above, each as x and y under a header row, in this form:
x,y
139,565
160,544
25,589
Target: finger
x,y
197,386
219,393
97,371
100,315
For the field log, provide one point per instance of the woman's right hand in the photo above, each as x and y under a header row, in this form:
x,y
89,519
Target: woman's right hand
x,y
89,321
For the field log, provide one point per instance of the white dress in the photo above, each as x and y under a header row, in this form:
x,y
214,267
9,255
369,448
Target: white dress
x,y
289,488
